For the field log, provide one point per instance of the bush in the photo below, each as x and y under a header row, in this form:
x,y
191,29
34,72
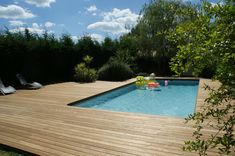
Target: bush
x,y
143,74
84,74
115,71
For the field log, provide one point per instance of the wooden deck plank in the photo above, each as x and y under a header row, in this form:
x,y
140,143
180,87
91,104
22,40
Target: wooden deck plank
x,y
39,121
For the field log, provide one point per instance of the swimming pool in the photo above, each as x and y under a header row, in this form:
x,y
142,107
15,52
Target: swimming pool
x,y
177,99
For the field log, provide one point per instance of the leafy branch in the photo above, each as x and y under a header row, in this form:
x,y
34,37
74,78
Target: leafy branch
x,y
208,41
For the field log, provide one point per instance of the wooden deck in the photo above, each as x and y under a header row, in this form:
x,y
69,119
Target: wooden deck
x,y
40,122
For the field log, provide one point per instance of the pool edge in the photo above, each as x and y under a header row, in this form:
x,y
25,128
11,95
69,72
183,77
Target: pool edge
x,y
133,81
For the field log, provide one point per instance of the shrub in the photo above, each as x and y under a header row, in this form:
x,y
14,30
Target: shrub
x,y
143,74
115,71
83,73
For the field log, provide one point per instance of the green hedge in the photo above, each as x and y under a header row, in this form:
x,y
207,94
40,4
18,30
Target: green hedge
x,y
45,58
115,71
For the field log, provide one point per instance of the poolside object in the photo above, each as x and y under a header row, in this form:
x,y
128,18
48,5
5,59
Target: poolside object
x,y
146,82
147,78
152,76
153,85
166,82
6,90
140,82
25,84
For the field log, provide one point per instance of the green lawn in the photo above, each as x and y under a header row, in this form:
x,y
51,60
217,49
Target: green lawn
x,y
9,153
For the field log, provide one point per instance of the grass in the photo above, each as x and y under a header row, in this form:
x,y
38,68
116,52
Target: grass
x,y
9,151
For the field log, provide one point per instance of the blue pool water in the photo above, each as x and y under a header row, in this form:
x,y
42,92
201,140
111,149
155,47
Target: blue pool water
x,y
177,99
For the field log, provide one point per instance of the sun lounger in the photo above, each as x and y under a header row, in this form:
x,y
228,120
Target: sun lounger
x,y
6,90
25,84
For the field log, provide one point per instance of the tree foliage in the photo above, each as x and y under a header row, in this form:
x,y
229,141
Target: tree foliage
x,y
208,41
46,58
147,44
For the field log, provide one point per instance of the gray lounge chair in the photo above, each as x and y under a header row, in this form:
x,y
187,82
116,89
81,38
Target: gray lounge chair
x,y
25,84
6,90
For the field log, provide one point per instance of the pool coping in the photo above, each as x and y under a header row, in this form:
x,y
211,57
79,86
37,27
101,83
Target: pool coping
x,y
93,96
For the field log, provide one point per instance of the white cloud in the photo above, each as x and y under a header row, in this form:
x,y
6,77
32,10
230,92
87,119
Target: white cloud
x,y
31,29
40,3
92,8
35,25
75,39
16,23
35,28
97,37
110,27
15,12
116,22
49,24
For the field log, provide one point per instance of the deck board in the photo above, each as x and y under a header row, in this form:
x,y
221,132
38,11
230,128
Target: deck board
x,y
41,122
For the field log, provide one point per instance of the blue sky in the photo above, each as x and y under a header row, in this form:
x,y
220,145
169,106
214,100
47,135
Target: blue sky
x,y
97,18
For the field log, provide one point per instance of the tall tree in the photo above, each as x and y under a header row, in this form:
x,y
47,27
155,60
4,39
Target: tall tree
x,y
208,41
157,19
87,46
108,49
